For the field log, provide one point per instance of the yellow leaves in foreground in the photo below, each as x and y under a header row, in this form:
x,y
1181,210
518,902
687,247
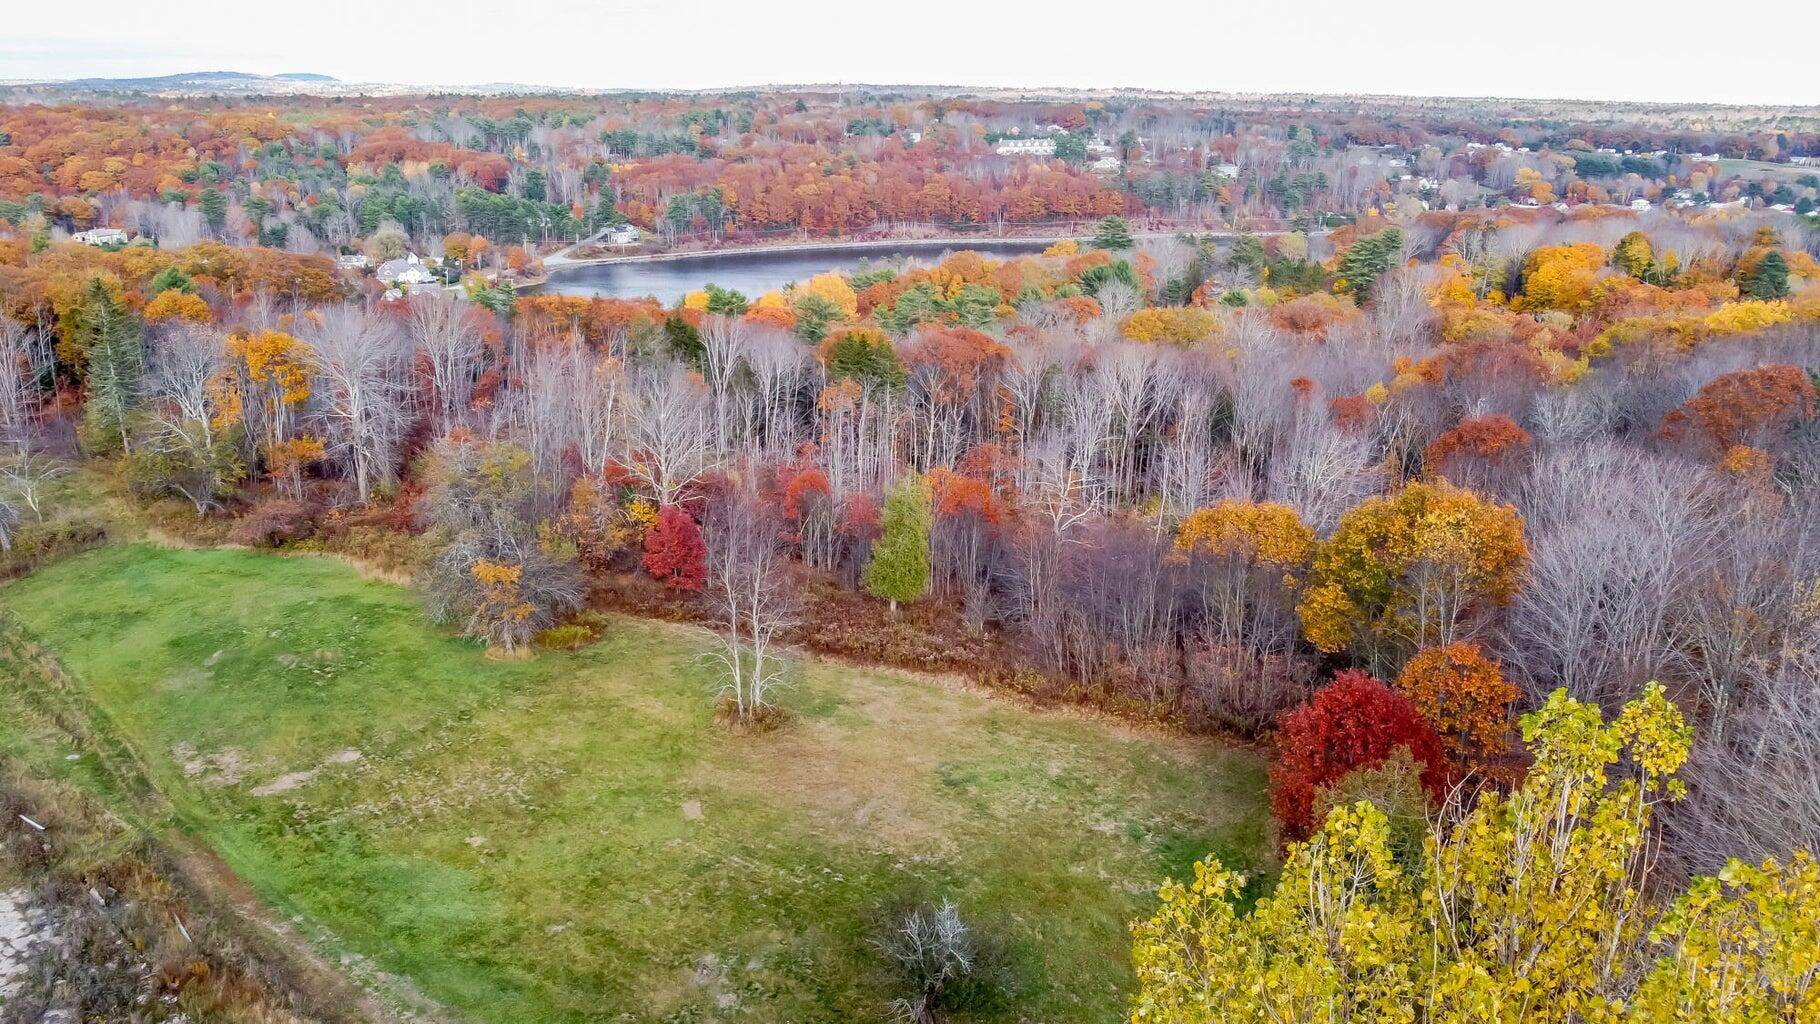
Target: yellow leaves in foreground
x,y
1526,908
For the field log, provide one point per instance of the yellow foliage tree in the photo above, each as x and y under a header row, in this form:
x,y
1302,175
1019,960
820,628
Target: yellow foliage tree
x,y
1561,277
277,370
1171,325
1526,909
835,289
172,304
1411,570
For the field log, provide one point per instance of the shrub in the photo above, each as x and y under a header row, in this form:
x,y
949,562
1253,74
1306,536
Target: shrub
x,y
36,544
1393,786
275,523
1238,688
567,637
1354,722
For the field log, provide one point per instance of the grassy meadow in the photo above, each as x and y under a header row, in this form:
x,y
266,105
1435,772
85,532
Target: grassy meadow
x,y
572,837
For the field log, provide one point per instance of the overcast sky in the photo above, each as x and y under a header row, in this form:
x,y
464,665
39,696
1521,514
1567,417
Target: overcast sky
x,y
1758,52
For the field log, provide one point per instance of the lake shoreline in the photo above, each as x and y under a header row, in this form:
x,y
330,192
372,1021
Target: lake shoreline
x,y
752,270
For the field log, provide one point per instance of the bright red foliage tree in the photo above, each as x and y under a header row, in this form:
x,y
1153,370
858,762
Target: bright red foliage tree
x,y
1354,722
674,552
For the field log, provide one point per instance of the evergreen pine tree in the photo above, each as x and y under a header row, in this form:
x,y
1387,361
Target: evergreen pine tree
x,y
214,206
110,338
1114,233
1368,259
1770,278
899,569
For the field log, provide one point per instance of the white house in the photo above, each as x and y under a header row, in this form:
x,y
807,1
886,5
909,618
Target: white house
x,y
100,236
1106,163
1639,204
621,234
352,261
1026,147
407,271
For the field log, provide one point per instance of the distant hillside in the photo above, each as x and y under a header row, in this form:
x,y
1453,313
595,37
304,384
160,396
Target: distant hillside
x,y
199,82
241,83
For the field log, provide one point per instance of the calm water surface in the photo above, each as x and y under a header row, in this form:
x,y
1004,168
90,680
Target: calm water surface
x,y
752,273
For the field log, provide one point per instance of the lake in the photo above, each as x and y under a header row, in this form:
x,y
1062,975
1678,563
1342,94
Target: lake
x,y
751,273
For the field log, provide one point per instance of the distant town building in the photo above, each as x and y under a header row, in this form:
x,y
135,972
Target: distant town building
x,y
407,271
352,261
100,236
1026,147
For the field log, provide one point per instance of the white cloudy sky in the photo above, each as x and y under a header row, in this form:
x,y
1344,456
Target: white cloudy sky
x,y
1758,52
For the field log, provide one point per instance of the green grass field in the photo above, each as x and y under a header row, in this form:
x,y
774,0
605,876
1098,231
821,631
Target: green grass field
x,y
573,838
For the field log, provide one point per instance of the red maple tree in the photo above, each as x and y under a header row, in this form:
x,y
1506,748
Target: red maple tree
x,y
1354,722
674,552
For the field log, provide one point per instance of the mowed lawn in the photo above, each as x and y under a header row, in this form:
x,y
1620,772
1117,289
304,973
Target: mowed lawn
x,y
573,838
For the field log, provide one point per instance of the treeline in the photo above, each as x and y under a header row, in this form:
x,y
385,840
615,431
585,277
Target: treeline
x,y
313,175
1529,460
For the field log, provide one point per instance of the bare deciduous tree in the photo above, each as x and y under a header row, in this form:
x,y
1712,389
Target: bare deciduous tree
x,y
667,443
20,365
932,948
447,330
753,596
360,363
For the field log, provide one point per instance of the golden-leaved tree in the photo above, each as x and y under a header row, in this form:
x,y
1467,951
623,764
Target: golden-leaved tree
x,y
1413,569
1529,907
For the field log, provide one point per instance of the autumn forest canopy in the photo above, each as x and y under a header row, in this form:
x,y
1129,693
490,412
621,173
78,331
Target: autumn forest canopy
x,y
1462,460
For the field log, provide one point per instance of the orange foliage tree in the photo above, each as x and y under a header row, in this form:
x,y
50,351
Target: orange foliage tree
x,y
1465,695
1743,408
